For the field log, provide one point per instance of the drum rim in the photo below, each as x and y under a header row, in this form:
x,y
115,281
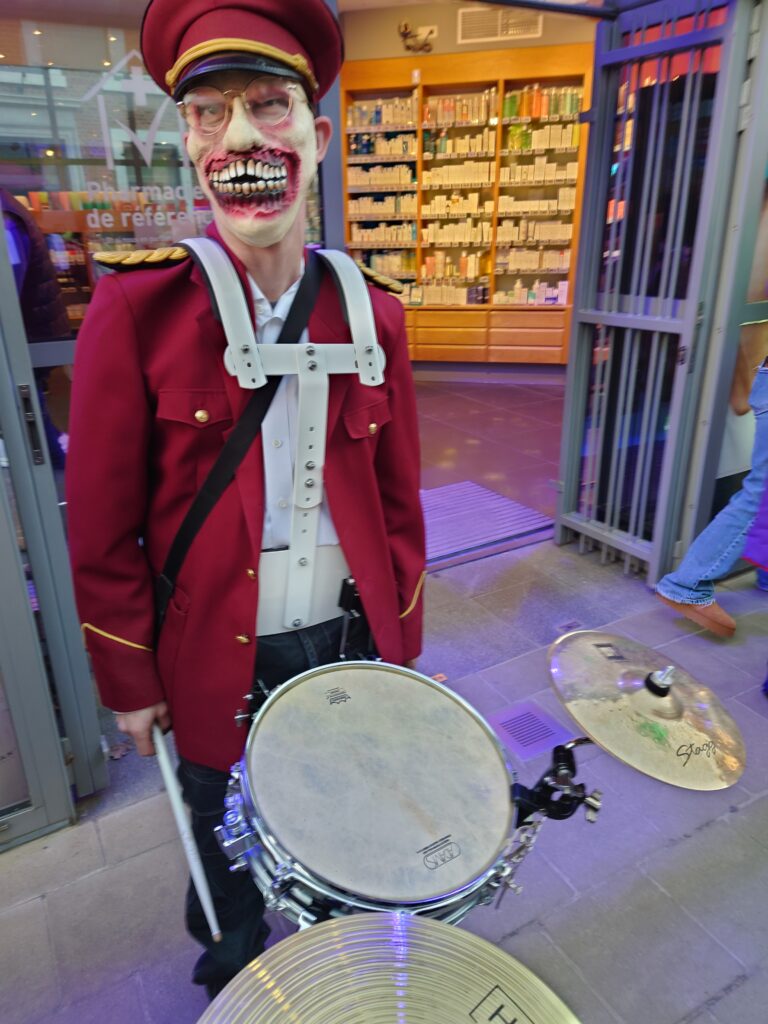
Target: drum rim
x,y
326,887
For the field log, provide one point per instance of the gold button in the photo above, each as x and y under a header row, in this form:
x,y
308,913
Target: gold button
x,y
202,415
252,574
243,638
372,428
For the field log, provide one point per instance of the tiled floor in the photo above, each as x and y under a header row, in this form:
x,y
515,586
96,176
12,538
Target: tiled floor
x,y
656,914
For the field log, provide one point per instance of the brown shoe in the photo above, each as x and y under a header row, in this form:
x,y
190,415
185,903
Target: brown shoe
x,y
710,616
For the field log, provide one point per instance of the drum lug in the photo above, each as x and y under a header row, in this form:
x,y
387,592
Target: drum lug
x,y
234,838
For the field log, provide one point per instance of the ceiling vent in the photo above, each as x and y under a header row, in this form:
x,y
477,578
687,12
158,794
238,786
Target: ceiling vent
x,y
497,25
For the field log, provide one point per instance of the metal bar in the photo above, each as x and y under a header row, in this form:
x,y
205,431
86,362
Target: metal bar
x,y
52,353
634,345
672,325
645,486
753,312
643,438
677,178
588,489
600,426
656,182
618,427
618,195
620,247
609,12
676,226
644,235
663,47
618,539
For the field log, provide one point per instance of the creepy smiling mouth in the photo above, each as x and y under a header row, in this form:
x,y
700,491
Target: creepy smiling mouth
x,y
251,179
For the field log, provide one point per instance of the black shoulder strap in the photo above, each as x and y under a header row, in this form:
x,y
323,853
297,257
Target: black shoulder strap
x,y
237,444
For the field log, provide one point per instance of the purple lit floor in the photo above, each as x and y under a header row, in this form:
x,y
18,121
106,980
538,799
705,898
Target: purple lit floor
x,y
656,914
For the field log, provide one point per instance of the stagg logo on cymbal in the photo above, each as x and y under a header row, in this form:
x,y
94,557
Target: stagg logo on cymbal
x,y
440,852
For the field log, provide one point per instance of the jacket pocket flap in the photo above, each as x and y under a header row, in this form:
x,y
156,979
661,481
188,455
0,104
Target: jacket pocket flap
x,y
368,419
195,408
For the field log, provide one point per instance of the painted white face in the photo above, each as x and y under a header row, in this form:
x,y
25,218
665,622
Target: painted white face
x,y
255,174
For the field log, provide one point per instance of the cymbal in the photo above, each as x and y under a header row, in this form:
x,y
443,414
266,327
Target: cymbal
x,y
646,710
380,968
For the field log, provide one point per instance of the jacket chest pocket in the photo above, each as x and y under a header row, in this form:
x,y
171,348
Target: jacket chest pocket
x,y
190,425
367,421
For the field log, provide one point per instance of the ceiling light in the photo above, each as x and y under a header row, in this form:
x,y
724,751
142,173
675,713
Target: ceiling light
x,y
113,39
107,63
2,56
33,113
50,152
50,63
36,32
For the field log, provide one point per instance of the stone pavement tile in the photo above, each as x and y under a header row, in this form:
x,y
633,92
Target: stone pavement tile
x,y
112,923
543,890
475,691
675,812
29,985
47,863
593,580
542,609
755,700
521,677
465,638
740,596
641,951
748,649
658,626
539,953
137,828
118,1003
485,575
721,878
705,1017
168,995
703,658
588,853
753,820
753,731
746,1003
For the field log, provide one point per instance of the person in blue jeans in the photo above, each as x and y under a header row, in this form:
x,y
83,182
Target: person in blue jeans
x,y
690,589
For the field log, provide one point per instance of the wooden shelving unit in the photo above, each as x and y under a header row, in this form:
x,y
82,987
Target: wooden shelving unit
x,y
475,194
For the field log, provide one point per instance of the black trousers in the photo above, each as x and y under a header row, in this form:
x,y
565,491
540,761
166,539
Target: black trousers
x,y
236,898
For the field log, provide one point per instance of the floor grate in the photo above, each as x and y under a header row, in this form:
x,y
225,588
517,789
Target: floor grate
x,y
466,521
528,730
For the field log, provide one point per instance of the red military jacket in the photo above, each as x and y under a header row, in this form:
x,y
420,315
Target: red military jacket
x,y
149,357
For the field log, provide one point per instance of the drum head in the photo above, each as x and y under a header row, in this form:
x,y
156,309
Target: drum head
x,y
380,782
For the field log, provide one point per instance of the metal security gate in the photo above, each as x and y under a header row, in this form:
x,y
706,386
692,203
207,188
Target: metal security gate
x,y
664,130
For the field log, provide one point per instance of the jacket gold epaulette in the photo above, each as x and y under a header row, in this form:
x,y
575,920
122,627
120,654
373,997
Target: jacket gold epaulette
x,y
381,280
142,259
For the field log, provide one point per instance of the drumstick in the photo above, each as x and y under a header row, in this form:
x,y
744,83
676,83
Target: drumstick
x,y
187,841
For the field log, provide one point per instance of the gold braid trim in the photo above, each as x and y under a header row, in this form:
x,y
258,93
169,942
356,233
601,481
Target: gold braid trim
x,y
292,60
141,257
117,639
416,595
389,284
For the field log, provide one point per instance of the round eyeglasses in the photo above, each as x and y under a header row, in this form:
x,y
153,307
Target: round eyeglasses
x,y
267,103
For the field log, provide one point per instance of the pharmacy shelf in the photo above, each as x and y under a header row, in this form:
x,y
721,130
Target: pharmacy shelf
x,y
367,129
562,272
476,155
539,152
480,218
536,184
363,190
555,119
379,158
456,245
389,246
458,184
385,217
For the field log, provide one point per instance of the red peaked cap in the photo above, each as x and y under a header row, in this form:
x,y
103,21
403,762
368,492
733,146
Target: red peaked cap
x,y
184,39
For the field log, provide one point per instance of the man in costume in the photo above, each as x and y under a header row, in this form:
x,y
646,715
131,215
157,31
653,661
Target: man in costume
x,y
155,399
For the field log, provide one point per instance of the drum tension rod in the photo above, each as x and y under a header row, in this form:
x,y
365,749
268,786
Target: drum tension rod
x,y
556,795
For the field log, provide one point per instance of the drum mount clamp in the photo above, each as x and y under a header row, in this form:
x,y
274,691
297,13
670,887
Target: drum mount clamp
x,y
556,795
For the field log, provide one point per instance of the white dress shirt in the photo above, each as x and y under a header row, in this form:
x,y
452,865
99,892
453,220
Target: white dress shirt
x,y
279,432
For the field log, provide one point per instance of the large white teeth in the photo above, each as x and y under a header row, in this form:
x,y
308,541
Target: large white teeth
x,y
251,167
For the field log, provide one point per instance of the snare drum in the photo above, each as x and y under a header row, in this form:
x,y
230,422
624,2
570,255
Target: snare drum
x,y
367,786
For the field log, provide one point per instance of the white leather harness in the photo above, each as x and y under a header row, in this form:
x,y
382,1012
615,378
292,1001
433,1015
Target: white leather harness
x,y
298,586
